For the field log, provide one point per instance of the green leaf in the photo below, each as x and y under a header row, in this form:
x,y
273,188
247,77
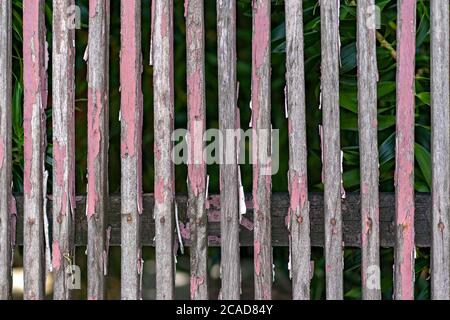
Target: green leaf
x,y
423,158
424,97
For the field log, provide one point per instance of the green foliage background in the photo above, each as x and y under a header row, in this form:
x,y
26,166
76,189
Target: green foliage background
x,y
386,36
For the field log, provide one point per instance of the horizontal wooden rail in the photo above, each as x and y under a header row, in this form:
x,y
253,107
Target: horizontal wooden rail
x,y
280,204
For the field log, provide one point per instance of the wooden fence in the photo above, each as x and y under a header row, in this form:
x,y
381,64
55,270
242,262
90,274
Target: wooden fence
x,y
298,219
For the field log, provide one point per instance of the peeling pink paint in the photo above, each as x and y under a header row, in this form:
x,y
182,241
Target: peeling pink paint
x,y
56,255
164,27
247,224
130,96
186,6
299,192
159,191
157,152
196,166
405,145
196,282
92,8
185,231
34,78
260,48
257,257
95,106
59,158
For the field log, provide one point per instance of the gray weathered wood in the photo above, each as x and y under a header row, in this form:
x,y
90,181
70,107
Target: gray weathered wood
x,y
440,102
163,95
195,55
331,152
298,218
280,205
5,149
35,102
63,146
131,149
404,171
261,148
229,183
98,121
368,146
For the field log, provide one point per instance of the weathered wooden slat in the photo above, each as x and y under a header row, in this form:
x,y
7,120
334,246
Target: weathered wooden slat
x,y
440,102
261,148
368,146
98,67
331,152
229,183
35,102
162,50
404,172
280,206
131,148
5,149
298,223
63,146
195,55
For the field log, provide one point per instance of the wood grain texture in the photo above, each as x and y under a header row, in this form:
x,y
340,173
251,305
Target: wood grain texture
x,y
261,148
440,146
351,222
98,122
298,216
131,148
63,147
198,219
229,183
368,146
5,149
35,102
163,87
331,167
404,171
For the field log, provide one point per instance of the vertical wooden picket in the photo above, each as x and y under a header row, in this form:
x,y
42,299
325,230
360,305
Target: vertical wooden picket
x,y
368,146
440,101
98,67
195,54
35,102
404,171
229,183
329,12
163,87
5,149
298,217
63,146
261,149
131,148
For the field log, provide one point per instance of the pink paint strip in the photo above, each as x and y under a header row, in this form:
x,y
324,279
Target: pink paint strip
x,y
196,282
56,255
257,257
405,145
95,106
159,191
34,83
